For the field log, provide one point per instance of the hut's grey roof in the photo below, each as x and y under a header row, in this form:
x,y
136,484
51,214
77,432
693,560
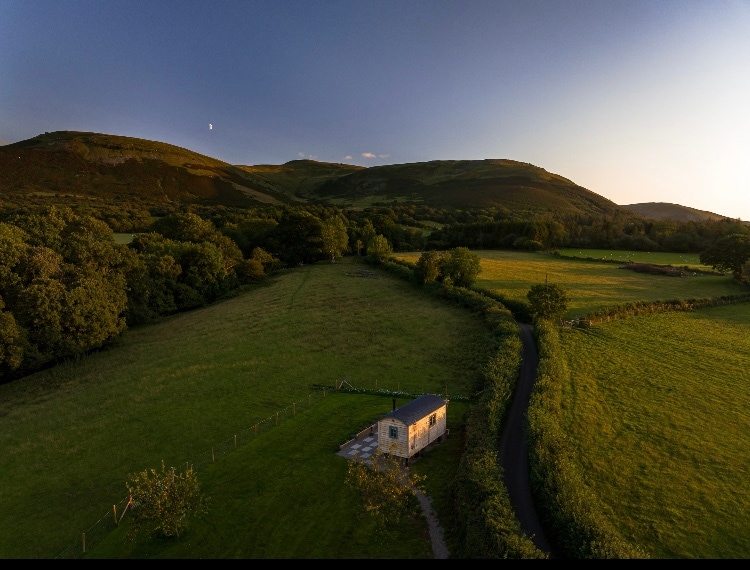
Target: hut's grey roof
x,y
417,409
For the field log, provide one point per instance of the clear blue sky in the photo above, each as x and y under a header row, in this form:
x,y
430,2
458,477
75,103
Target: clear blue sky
x,y
636,100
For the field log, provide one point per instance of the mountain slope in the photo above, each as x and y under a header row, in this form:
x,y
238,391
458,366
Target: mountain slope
x,y
93,166
100,168
675,212
504,184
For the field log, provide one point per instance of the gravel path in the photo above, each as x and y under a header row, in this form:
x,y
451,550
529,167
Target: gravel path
x,y
439,550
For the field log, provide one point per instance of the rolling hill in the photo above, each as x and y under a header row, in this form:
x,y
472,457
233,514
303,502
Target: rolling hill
x,y
98,167
66,167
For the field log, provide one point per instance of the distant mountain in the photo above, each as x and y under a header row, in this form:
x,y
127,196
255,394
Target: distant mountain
x,y
674,212
70,166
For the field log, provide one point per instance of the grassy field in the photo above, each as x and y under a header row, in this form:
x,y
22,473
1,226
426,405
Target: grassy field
x,y
657,410
659,258
591,285
656,405
173,391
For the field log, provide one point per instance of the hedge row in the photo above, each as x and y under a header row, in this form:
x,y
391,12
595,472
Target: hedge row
x,y
634,308
574,514
484,525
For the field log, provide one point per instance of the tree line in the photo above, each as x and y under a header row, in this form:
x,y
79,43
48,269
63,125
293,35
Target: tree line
x,y
66,286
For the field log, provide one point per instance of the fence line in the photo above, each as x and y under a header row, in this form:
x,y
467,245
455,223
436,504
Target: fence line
x,y
109,520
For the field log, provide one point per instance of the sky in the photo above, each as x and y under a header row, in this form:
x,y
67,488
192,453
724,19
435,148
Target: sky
x,y
636,100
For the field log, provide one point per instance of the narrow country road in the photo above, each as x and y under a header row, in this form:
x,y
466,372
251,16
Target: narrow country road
x,y
514,446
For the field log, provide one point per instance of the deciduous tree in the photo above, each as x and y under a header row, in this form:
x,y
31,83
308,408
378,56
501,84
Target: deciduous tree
x,y
335,237
387,488
378,249
428,267
164,501
548,301
462,266
728,253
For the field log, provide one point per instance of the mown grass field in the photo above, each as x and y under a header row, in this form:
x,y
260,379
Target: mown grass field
x,y
172,391
657,411
591,285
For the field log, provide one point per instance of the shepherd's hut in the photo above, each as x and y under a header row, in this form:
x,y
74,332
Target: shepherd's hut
x,y
405,431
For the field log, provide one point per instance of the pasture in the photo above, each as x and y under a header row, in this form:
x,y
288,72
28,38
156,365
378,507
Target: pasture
x,y
657,409
591,285
656,406
172,391
691,260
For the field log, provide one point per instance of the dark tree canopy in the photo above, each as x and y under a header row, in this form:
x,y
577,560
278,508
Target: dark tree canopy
x,y
728,253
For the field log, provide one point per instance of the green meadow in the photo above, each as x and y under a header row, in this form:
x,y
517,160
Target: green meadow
x,y
656,257
657,409
590,284
181,390
656,406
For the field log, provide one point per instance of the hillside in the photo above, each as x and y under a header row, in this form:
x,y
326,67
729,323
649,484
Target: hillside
x,y
504,184
665,211
67,166
64,166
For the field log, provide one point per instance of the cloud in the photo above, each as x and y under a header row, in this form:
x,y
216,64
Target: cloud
x,y
307,156
383,155
348,157
368,155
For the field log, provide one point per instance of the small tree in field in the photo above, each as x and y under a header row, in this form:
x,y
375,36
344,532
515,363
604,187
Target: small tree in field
x,y
388,490
548,301
164,501
378,249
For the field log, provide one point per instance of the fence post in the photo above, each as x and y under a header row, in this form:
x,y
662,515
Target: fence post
x,y
277,418
114,513
235,441
84,542
213,458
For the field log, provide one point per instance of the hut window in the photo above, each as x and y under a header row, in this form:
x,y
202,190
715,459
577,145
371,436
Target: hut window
x,y
433,419
393,432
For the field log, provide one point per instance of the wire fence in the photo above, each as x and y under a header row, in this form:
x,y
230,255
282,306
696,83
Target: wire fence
x,y
112,518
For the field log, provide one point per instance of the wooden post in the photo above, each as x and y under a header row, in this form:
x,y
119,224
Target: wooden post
x,y
235,441
277,418
114,512
84,542
213,457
